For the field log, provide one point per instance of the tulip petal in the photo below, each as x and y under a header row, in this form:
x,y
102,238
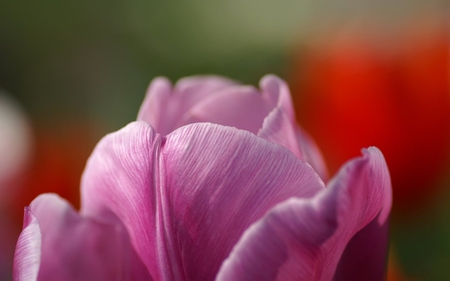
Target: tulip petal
x,y
365,256
213,99
164,106
277,128
28,250
304,239
225,180
187,199
243,107
156,102
274,87
239,106
73,247
121,180
193,89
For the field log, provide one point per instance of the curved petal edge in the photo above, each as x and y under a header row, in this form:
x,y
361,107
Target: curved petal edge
x,y
303,239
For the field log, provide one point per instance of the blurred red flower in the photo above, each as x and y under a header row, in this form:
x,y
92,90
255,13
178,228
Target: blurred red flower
x,y
352,91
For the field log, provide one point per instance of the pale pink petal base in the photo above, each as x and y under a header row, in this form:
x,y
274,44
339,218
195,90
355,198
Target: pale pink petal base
x,y
304,239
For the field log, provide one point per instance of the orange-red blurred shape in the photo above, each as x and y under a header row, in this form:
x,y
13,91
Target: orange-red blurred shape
x,y
355,90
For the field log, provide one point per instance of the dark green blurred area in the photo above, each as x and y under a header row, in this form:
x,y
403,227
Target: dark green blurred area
x,y
422,244
91,62
95,59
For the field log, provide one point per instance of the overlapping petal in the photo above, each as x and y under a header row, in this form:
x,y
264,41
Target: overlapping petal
x,y
267,112
274,87
303,239
280,126
277,128
241,107
186,199
121,183
164,104
176,197
59,244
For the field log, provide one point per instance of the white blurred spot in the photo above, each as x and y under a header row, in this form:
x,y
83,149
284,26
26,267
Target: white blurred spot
x,y
15,140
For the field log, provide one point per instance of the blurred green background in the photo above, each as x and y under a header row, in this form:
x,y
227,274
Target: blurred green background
x,y
94,59
80,69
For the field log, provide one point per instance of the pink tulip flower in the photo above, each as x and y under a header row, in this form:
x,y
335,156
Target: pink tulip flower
x,y
213,182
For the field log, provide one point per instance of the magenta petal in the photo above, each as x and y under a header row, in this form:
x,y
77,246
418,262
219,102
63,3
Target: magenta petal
x,y
164,106
277,128
304,239
187,199
284,245
220,180
156,103
73,247
28,250
273,86
242,107
122,181
191,90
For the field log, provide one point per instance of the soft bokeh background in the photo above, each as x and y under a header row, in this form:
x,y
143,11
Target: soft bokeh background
x,y
362,73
